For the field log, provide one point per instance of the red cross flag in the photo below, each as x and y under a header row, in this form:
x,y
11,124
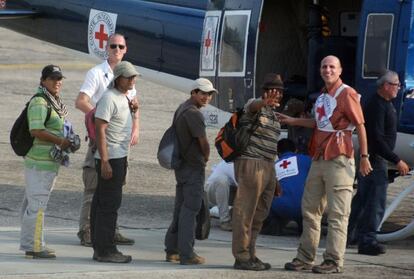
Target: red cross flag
x,y
286,167
101,26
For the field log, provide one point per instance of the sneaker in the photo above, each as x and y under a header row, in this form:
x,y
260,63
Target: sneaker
x,y
114,258
263,265
327,267
372,250
45,254
297,265
249,265
196,259
85,238
122,240
226,226
172,257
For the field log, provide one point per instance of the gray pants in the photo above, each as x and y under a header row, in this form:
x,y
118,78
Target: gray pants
x,y
218,192
189,194
39,185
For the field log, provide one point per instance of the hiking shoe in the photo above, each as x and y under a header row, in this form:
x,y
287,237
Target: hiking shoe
x,y
122,240
372,250
263,265
327,267
196,259
248,265
172,257
114,258
45,254
297,265
226,226
85,238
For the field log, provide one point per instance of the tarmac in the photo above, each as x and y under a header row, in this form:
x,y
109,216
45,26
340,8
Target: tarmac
x,y
148,197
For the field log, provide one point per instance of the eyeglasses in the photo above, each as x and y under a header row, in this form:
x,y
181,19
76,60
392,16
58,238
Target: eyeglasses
x,y
114,46
394,84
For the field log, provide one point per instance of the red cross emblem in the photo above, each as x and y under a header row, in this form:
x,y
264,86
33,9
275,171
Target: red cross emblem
x,y
207,42
321,112
285,164
101,36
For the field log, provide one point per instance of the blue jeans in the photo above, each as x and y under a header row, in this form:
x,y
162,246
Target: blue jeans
x,y
368,206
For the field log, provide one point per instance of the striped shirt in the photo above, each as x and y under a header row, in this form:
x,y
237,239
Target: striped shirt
x,y
263,142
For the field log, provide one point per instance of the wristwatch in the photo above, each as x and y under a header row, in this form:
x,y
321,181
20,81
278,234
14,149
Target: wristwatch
x,y
364,156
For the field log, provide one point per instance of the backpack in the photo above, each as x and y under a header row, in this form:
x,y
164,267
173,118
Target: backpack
x,y
20,138
234,136
90,126
168,154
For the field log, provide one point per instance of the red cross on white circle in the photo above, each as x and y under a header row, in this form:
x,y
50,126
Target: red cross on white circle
x,y
101,36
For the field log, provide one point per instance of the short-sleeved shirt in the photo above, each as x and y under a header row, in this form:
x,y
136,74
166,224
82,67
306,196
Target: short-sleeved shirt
x,y
348,110
39,155
263,141
189,127
113,108
97,80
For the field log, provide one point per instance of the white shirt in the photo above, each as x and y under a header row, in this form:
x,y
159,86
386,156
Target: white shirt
x,y
97,80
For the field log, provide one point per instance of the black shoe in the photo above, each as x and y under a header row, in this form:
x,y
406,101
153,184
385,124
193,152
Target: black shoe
x,y
122,240
327,267
114,258
248,265
372,250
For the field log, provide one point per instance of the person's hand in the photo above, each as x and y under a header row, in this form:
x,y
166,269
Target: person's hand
x,y
278,189
365,166
284,119
402,167
65,143
272,98
133,105
134,137
106,170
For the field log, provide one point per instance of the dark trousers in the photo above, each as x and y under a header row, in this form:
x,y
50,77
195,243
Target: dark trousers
x,y
105,204
188,197
368,205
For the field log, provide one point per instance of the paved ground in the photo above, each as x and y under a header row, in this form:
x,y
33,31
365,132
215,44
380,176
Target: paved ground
x,y
148,200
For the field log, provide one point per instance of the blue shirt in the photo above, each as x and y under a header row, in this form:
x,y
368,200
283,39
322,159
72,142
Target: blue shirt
x,y
292,170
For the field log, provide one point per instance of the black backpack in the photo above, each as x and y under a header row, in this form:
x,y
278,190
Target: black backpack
x,y
234,136
20,138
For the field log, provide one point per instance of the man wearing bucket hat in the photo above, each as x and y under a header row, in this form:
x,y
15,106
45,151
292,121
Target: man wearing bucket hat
x,y
113,119
96,82
190,175
255,174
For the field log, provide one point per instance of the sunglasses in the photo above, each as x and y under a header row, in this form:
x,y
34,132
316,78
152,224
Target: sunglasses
x,y
114,46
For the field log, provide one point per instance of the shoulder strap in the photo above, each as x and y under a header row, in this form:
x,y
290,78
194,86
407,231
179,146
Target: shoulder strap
x,y
179,114
49,106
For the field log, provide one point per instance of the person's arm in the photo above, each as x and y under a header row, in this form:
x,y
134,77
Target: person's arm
x,y
82,103
205,147
364,164
46,136
101,126
293,121
135,121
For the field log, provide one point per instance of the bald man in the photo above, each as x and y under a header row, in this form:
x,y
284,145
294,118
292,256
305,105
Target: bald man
x,y
329,185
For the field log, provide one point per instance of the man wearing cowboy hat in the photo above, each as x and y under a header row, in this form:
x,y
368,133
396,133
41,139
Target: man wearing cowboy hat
x,y
255,174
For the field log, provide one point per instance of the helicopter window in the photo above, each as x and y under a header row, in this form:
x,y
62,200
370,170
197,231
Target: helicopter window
x,y
378,35
233,43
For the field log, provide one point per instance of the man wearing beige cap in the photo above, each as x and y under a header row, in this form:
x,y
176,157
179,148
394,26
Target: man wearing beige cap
x,y
113,118
190,175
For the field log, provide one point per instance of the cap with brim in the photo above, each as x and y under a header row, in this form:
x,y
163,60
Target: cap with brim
x,y
52,71
204,85
273,81
124,69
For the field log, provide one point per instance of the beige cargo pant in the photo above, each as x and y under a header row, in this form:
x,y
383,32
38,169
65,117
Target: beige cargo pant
x,y
329,185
